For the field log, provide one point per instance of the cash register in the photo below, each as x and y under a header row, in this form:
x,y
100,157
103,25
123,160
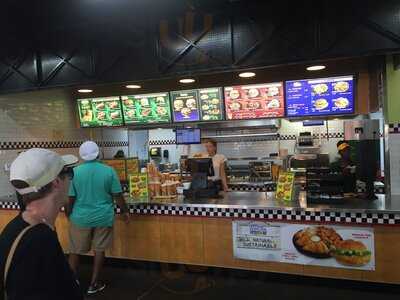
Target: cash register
x,y
201,187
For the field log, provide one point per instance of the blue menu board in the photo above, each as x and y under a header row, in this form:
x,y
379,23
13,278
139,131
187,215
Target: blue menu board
x,y
318,97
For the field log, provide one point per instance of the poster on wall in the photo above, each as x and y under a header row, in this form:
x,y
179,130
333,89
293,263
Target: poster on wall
x,y
146,109
100,112
256,101
327,246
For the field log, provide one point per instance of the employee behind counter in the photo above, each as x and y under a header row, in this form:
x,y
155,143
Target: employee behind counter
x,y
346,167
219,161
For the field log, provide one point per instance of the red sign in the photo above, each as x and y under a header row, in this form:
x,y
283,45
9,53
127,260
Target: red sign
x,y
254,101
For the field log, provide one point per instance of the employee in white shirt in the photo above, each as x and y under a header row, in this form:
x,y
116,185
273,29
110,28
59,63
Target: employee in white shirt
x,y
219,161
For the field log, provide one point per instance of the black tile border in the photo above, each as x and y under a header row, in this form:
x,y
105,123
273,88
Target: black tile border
x,y
394,128
57,144
261,214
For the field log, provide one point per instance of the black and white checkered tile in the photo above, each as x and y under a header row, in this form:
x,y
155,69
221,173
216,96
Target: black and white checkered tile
x,y
268,214
394,127
331,135
255,187
162,142
282,215
56,144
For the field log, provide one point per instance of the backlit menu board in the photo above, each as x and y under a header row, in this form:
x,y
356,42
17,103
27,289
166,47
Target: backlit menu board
x,y
185,106
323,96
211,104
254,101
100,112
146,109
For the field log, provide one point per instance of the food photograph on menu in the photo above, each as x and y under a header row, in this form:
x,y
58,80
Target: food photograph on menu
x,y
100,112
185,106
211,104
146,109
323,96
256,101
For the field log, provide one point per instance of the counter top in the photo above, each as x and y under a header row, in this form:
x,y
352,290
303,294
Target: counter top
x,y
264,206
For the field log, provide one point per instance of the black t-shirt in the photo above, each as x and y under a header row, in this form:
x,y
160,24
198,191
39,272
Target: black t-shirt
x,y
39,270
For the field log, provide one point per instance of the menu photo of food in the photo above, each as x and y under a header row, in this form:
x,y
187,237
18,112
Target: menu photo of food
x,y
211,104
254,101
185,106
347,247
138,188
100,112
323,96
284,189
146,109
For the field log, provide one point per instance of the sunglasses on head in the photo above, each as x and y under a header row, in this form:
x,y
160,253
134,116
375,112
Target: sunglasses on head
x,y
69,172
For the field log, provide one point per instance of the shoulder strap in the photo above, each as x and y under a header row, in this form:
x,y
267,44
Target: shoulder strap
x,y
11,255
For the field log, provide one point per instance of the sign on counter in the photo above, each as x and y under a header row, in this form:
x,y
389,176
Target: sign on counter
x,y
327,246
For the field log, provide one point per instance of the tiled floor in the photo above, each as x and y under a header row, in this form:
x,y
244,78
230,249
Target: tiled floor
x,y
148,281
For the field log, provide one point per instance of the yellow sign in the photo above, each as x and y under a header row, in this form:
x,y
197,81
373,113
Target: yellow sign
x,y
138,187
284,189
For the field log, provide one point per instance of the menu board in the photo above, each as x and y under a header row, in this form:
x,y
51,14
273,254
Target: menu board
x,y
100,112
254,101
146,109
138,187
284,189
185,106
211,104
119,167
324,96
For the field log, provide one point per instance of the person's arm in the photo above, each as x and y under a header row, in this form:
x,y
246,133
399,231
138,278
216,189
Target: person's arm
x,y
120,200
71,199
224,178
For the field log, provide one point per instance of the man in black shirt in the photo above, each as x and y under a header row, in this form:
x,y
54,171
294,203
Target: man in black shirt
x,y
38,269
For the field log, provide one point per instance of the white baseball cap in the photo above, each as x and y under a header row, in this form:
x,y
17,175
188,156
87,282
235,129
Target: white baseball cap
x,y
89,151
38,167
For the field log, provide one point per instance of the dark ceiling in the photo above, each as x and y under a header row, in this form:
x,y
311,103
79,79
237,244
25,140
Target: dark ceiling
x,y
57,43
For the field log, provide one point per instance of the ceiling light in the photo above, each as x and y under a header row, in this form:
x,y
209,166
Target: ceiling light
x,y
315,68
133,86
85,91
247,74
187,80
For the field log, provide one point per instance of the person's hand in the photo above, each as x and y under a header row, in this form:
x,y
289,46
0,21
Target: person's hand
x,y
126,217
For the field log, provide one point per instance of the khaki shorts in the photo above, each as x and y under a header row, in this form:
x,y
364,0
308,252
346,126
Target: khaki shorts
x,y
82,240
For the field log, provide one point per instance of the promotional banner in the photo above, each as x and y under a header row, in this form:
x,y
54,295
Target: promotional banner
x,y
328,246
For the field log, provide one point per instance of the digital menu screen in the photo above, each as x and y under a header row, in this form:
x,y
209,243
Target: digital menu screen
x,y
188,136
254,101
100,112
146,109
211,104
317,97
185,106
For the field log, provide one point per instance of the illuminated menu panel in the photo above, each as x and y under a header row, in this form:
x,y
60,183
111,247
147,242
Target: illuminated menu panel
x,y
256,101
100,112
211,104
185,106
317,97
146,109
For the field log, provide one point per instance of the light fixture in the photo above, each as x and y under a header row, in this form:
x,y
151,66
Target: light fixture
x,y
315,68
187,80
247,74
85,91
133,86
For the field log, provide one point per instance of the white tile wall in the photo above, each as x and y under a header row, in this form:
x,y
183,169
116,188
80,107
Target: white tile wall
x,y
45,116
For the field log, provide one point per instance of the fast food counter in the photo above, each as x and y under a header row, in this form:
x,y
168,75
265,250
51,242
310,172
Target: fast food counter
x,y
200,232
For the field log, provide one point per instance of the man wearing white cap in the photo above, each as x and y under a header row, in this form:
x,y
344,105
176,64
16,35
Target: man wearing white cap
x,y
91,210
32,263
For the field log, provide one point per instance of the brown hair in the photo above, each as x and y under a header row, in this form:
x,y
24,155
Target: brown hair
x,y
212,141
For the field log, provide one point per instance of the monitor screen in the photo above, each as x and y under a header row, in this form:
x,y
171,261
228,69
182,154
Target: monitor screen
x,y
188,136
256,101
185,106
97,112
201,165
320,97
146,109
